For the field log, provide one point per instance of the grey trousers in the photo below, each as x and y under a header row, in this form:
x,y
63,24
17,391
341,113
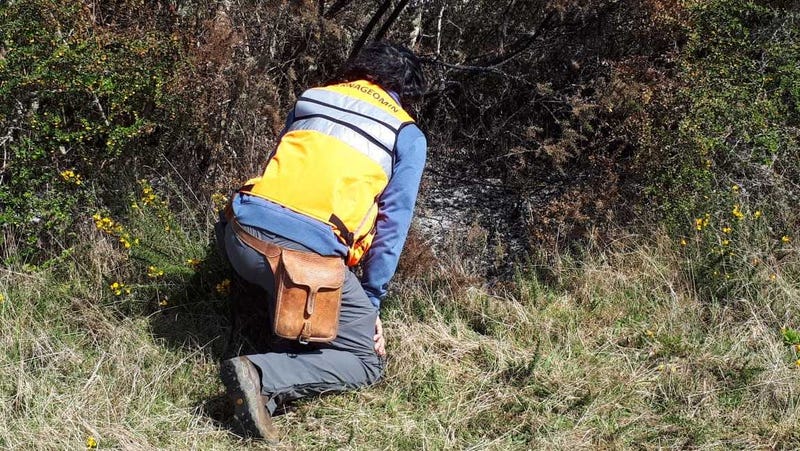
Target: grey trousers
x,y
295,371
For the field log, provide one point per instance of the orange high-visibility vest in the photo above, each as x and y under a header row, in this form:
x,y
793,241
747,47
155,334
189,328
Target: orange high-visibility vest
x,y
335,160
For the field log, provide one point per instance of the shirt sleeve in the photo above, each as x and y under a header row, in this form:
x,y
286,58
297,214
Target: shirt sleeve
x,y
287,124
395,209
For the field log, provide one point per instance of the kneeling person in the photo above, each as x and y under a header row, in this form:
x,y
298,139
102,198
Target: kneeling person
x,y
338,190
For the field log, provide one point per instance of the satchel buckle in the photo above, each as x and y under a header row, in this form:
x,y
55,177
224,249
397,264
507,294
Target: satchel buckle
x,y
305,333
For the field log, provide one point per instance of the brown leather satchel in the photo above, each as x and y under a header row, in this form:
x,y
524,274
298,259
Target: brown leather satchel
x,y
308,290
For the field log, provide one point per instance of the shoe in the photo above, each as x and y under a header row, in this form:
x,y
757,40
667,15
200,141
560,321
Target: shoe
x,y
243,385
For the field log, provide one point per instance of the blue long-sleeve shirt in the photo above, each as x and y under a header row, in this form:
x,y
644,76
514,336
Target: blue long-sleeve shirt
x,y
395,209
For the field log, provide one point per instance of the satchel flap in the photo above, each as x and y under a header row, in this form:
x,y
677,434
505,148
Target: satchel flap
x,y
312,270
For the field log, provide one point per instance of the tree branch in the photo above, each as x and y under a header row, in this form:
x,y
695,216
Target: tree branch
x,y
463,67
335,8
520,45
372,22
414,36
392,18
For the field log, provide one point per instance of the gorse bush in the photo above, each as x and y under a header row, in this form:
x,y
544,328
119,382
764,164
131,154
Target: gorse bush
x,y
83,106
720,165
735,120
166,260
736,251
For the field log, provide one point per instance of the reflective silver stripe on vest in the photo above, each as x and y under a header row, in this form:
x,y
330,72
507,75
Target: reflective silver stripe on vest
x,y
357,106
361,125
354,139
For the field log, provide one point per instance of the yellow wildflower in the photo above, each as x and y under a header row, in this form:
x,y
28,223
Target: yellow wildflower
x,y
735,188
125,242
726,242
797,363
223,287
193,262
154,272
219,200
700,223
2,298
118,287
650,333
757,214
773,277
683,242
71,177
91,443
106,225
149,199
797,347
726,230
737,212
148,195
786,239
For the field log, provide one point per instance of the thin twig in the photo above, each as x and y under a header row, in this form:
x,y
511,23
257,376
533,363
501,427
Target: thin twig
x,y
462,67
439,32
15,273
100,108
94,373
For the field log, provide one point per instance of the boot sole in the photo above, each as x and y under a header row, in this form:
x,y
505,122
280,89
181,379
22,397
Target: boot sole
x,y
248,402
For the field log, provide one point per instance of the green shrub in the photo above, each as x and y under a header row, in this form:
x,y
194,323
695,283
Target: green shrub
x,y
81,102
729,146
739,112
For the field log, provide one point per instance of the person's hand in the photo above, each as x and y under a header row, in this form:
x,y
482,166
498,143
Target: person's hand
x,y
380,341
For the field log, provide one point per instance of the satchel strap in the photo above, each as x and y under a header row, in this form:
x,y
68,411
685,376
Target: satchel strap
x,y
270,251
305,334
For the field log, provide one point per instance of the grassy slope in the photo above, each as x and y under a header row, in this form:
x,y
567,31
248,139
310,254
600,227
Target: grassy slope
x,y
614,352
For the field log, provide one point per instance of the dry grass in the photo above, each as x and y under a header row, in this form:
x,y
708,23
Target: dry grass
x,y
614,352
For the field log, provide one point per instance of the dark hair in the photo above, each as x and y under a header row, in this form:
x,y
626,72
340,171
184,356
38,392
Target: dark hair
x,y
392,67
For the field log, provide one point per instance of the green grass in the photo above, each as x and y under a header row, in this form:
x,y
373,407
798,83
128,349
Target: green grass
x,y
616,350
